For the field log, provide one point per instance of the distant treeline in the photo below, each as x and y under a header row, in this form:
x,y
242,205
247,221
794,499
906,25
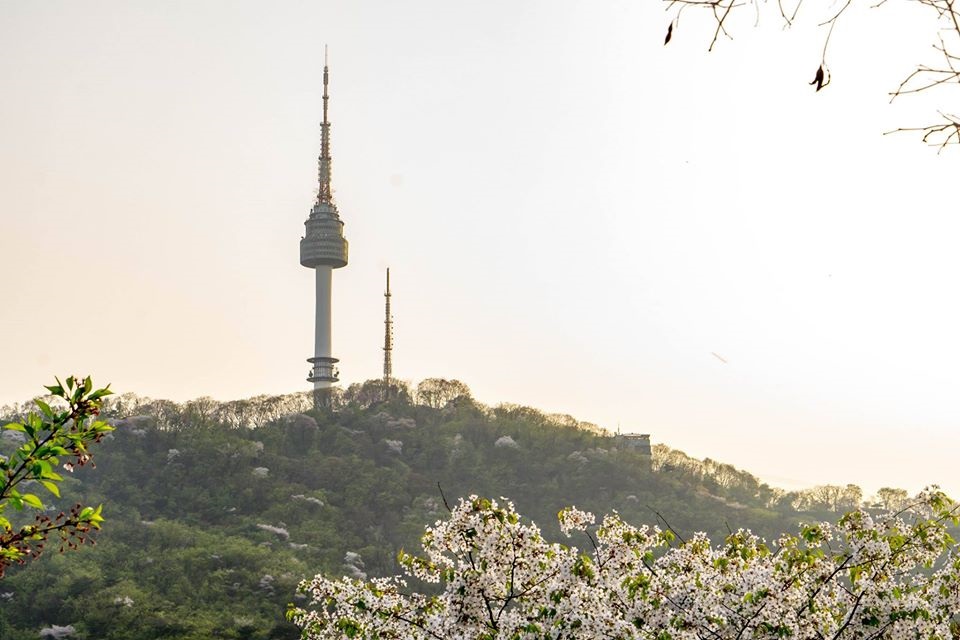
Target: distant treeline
x,y
724,478
258,411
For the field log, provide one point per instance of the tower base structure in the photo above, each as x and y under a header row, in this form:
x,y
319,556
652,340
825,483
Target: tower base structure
x,y
323,375
324,372
325,398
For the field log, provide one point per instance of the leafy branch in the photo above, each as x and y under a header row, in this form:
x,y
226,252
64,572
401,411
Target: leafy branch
x,y
58,437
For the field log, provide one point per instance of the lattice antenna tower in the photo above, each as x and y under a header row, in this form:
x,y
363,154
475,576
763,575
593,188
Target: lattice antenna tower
x,y
387,337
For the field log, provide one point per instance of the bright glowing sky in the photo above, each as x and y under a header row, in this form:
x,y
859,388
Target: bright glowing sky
x,y
574,215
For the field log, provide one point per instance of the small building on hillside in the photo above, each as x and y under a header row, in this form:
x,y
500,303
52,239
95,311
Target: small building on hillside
x,y
639,442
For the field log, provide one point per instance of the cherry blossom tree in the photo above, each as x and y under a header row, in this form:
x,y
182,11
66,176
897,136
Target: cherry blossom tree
x,y
494,576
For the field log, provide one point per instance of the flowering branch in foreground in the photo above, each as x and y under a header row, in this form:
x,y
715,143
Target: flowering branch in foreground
x,y
59,436
888,575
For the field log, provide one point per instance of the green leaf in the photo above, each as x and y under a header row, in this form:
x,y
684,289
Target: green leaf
x,y
40,468
91,515
55,390
31,500
101,427
99,393
51,487
44,407
14,426
34,423
348,627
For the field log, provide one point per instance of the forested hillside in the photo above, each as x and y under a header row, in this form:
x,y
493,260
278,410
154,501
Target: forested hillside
x,y
215,511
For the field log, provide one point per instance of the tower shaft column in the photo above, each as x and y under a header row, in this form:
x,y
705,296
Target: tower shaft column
x,y
324,372
322,336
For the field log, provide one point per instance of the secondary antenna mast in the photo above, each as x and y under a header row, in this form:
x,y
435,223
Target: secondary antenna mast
x,y
387,336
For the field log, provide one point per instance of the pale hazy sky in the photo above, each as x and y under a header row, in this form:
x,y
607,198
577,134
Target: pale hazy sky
x,y
574,215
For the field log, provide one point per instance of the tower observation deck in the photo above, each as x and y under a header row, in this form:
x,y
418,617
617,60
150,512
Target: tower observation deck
x,y
323,249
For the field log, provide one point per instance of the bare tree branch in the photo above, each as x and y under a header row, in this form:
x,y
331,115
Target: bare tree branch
x,y
937,135
925,77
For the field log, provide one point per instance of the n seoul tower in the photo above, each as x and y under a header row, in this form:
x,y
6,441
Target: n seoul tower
x,y
323,249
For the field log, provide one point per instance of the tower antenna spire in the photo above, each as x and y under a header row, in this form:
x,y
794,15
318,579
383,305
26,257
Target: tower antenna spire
x,y
325,162
387,337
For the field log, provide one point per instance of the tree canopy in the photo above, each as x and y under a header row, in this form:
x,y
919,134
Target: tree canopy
x,y
894,575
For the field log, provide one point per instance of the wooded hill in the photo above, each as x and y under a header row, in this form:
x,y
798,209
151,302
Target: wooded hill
x,y
215,511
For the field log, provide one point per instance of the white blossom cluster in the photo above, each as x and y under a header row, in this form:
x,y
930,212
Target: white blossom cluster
x,y
354,566
869,576
56,632
394,445
280,531
125,601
